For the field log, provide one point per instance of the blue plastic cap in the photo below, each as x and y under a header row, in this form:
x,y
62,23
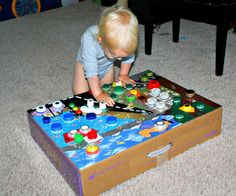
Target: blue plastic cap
x,y
91,116
56,127
111,120
46,120
68,117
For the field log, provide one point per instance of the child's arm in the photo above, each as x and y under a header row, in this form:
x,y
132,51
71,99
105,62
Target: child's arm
x,y
94,85
124,74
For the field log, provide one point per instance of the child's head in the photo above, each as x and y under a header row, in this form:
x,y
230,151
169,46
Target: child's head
x,y
118,30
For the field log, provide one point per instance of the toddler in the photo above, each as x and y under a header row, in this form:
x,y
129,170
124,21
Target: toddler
x,y
114,38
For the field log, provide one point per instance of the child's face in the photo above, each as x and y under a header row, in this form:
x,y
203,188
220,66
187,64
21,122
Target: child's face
x,y
114,54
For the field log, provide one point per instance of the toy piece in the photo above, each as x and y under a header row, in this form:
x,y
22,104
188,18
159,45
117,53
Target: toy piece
x,y
90,102
135,92
57,104
151,102
153,84
179,116
84,130
155,92
57,108
92,135
46,120
200,106
119,90
69,137
56,128
41,109
164,95
91,116
106,87
160,106
129,86
68,117
176,101
111,120
78,138
130,98
187,108
92,150
190,94
144,78
71,105
103,106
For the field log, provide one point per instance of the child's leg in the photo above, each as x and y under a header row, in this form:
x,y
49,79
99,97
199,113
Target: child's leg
x,y
80,84
109,77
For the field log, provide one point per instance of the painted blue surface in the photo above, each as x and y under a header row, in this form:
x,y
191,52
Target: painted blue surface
x,y
109,145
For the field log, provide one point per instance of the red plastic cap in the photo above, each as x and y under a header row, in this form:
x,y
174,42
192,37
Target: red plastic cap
x,y
92,134
153,84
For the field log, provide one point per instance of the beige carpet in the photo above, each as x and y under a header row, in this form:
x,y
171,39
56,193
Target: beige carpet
x,y
37,54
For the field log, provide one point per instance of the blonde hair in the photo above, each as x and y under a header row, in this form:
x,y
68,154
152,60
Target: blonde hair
x,y
118,28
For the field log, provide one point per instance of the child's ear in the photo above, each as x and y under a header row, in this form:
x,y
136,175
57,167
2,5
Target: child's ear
x,y
100,40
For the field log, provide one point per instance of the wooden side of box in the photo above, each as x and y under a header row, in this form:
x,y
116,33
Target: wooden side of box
x,y
57,157
131,162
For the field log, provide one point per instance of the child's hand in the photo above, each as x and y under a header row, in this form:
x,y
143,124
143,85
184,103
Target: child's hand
x,y
125,79
105,98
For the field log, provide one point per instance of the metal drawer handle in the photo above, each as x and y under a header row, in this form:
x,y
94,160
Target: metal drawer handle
x,y
160,151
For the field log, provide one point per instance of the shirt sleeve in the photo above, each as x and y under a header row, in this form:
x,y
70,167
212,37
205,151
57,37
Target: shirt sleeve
x,y
88,53
128,59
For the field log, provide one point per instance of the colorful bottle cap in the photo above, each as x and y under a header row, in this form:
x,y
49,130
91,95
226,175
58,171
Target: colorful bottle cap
x,y
72,133
187,108
113,96
75,108
129,86
119,90
135,92
41,109
130,98
57,104
144,78
84,109
179,116
78,138
200,106
71,105
153,84
111,120
155,92
68,117
113,84
149,73
164,95
160,105
92,150
91,116
106,87
78,112
92,134
46,120
177,100
56,127
151,101
84,129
